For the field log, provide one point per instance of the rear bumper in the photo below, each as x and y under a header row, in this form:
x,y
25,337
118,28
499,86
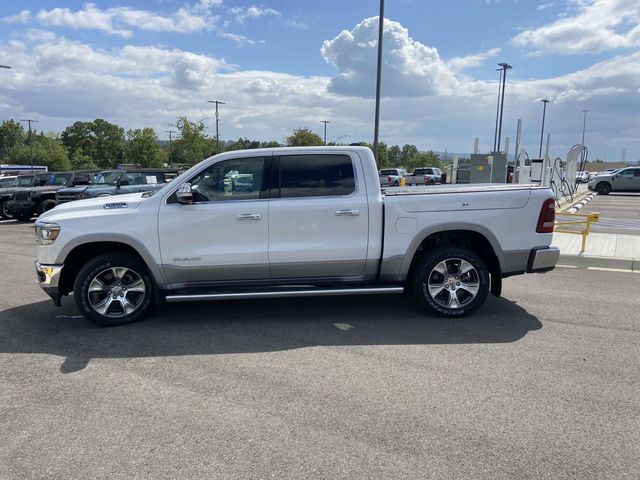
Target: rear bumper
x,y
543,259
49,280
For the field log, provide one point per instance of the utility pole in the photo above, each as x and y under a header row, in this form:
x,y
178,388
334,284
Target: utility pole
x,y
170,132
504,67
495,132
29,121
376,128
325,129
584,124
217,102
544,113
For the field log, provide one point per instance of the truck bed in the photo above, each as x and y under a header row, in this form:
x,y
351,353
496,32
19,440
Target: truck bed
x,y
456,188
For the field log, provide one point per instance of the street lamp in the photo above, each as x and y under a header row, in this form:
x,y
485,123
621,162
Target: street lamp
x,y
544,113
584,124
376,127
217,102
504,67
28,120
325,129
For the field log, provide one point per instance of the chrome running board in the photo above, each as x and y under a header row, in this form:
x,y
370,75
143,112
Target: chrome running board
x,y
284,293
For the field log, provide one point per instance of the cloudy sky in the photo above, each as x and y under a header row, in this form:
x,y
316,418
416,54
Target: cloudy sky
x,y
283,64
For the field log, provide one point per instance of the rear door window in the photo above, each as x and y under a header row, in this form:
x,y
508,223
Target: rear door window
x,y
316,176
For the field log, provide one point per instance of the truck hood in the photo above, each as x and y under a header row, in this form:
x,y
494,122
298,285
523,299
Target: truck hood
x,y
93,206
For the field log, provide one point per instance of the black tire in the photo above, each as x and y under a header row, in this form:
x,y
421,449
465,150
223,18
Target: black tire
x,y
46,205
396,183
115,314
23,217
453,285
603,188
5,212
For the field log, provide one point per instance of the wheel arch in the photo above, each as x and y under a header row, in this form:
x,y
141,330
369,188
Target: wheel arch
x,y
476,238
75,255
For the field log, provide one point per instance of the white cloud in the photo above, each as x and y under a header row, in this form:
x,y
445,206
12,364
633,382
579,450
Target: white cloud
x,y
410,68
23,17
598,26
123,20
460,63
241,14
58,81
241,40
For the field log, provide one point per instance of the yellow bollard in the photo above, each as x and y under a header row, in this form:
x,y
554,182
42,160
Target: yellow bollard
x,y
403,182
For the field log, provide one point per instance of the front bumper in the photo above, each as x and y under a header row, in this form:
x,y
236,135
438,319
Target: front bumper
x,y
543,259
49,280
23,207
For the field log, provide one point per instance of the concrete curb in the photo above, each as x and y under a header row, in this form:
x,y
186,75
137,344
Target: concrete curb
x,y
581,203
586,261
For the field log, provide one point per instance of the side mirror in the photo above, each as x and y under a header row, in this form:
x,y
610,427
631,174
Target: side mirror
x,y
184,194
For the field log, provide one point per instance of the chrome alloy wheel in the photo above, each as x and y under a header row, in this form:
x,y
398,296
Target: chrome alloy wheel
x,y
116,292
453,283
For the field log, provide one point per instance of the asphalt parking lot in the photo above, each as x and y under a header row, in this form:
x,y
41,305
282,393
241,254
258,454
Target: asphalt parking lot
x,y
542,383
619,213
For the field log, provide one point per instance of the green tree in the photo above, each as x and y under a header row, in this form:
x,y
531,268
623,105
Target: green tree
x,y
142,148
270,144
193,146
80,161
243,144
302,137
425,159
408,152
102,141
11,135
47,150
395,156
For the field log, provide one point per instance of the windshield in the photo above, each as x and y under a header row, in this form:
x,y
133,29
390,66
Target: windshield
x,y
108,178
26,181
388,172
59,179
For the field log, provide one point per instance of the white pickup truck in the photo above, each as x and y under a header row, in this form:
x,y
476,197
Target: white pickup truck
x,y
307,221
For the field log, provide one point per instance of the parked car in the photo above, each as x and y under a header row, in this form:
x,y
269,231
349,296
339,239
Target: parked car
x,y
582,177
118,182
424,176
623,180
28,202
390,177
316,223
21,181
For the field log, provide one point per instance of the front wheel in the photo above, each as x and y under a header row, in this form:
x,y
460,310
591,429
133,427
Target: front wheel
x,y
603,188
451,281
45,206
113,289
5,211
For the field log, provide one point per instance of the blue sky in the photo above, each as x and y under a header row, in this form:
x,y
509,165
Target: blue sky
x,y
284,64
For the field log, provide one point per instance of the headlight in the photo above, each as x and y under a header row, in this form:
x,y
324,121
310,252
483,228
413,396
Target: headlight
x,y
46,233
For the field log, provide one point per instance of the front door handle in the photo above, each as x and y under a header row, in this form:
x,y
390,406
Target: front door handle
x,y
249,216
347,213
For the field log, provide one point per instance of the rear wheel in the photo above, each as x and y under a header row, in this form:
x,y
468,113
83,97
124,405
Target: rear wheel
x,y
603,188
451,281
113,289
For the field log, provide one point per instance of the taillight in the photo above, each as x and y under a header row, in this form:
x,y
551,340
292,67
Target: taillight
x,y
389,180
426,180
547,216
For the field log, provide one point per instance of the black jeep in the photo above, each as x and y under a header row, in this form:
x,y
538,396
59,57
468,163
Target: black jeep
x,y
22,181
37,200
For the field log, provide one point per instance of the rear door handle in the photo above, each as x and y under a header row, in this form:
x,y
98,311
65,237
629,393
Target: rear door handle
x,y
249,216
347,213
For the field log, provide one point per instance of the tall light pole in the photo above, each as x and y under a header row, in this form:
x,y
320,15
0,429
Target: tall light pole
x,y
544,113
504,67
217,102
495,132
376,127
584,124
325,129
29,121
